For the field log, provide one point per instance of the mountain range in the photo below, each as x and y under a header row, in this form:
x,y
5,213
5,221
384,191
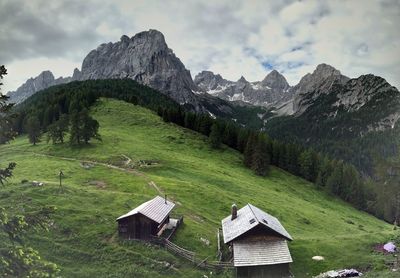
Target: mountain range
x,y
147,59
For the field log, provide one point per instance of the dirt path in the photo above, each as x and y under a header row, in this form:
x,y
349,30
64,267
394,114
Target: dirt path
x,y
128,159
130,171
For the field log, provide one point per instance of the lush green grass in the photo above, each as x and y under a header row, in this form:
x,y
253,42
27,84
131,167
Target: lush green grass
x,y
203,182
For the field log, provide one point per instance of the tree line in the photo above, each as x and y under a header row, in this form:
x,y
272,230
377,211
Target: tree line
x,y
260,151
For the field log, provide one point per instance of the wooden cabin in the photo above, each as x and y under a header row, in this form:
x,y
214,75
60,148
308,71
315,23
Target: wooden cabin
x,y
147,220
258,242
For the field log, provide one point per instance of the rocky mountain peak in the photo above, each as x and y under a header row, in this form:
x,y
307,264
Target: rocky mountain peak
x,y
242,80
45,76
324,70
319,82
44,80
208,81
145,58
275,80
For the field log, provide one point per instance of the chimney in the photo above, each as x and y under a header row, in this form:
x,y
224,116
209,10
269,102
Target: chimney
x,y
234,211
165,199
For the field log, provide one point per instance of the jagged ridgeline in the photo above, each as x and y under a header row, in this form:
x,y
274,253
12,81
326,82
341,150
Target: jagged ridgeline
x,y
356,121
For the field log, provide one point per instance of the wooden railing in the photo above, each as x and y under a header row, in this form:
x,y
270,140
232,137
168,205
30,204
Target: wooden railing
x,y
191,256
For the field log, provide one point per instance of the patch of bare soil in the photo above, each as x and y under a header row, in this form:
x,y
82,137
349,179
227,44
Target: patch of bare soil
x,y
98,184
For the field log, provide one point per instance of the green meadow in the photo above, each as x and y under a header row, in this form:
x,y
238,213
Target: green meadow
x,y
203,182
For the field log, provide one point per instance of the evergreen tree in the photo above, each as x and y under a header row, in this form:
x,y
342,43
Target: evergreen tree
x,y
325,170
242,139
293,154
249,150
6,119
75,131
283,160
309,167
275,153
215,137
353,191
90,127
189,120
83,127
260,158
33,129
58,129
230,135
335,181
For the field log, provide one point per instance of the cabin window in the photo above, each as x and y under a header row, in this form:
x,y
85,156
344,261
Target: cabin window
x,y
252,221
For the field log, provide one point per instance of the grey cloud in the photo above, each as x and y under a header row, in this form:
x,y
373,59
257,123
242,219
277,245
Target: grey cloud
x,y
45,29
232,37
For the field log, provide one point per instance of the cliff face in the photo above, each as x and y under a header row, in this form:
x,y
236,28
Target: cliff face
x,y
145,58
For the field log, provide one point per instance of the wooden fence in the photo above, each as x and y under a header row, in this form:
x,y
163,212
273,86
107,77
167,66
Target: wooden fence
x,y
191,256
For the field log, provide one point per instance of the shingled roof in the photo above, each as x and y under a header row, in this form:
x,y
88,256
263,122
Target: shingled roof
x,y
247,218
264,252
157,209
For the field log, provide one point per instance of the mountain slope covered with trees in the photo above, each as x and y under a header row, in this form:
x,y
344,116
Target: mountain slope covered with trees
x,y
203,181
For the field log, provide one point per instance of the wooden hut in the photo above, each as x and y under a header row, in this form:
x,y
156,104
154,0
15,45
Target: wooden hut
x,y
259,243
147,220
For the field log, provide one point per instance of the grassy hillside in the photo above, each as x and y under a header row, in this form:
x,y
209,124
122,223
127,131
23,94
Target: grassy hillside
x,y
203,182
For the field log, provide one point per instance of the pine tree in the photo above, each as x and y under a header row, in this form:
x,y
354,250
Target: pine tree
x,y
275,153
293,159
230,135
189,120
90,127
335,181
33,130
249,150
215,137
325,170
306,165
57,130
6,119
242,139
260,158
6,133
283,160
75,131
83,127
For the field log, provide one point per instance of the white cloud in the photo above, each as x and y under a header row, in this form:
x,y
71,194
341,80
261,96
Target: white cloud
x,y
232,38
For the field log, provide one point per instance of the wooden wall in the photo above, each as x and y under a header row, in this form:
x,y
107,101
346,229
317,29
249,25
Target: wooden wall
x,y
137,227
263,271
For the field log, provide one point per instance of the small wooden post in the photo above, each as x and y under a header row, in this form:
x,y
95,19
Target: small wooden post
x,y
61,174
219,246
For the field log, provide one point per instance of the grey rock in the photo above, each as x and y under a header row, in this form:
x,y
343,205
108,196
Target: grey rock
x,y
147,59
320,81
272,90
31,86
209,81
42,81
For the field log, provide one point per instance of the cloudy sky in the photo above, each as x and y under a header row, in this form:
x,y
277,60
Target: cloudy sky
x,y
230,37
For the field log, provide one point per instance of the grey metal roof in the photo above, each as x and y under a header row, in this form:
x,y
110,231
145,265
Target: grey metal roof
x,y
157,209
266,252
247,218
